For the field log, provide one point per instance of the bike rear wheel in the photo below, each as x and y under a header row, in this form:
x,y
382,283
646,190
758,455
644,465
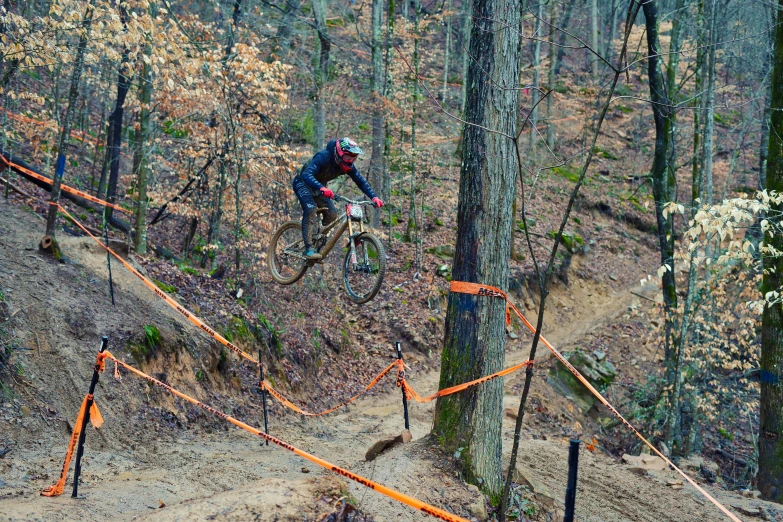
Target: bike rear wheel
x,y
363,279
285,255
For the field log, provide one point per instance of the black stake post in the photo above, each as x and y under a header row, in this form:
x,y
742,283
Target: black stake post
x,y
108,256
573,464
263,390
80,449
404,398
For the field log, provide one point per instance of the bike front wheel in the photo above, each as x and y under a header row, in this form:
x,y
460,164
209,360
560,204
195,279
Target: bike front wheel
x,y
362,277
285,255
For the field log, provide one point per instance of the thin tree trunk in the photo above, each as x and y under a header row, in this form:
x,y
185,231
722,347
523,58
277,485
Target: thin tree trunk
x,y
185,250
536,84
467,25
562,39
594,37
387,87
448,51
475,325
287,25
550,100
114,136
321,70
698,83
13,64
237,227
664,187
411,229
73,96
376,160
770,477
216,218
544,276
140,240
709,123
608,49
765,118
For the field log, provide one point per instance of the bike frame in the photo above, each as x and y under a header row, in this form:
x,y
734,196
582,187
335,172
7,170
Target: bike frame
x,y
341,224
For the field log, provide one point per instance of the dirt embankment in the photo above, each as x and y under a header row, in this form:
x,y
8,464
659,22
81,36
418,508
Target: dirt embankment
x,y
155,451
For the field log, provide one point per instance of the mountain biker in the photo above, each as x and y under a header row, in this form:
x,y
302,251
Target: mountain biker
x,y
310,184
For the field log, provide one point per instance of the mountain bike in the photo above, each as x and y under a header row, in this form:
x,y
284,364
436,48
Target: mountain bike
x,y
365,259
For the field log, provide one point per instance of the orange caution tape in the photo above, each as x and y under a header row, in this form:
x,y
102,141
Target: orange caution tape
x,y
64,188
391,493
486,290
288,404
411,393
169,301
96,419
477,289
59,487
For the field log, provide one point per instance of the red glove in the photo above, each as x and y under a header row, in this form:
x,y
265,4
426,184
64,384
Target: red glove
x,y
377,202
327,192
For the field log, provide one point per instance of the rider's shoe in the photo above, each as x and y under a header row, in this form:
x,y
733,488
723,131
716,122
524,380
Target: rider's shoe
x,y
311,253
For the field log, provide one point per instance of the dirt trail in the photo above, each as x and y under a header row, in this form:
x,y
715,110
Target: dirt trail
x,y
218,473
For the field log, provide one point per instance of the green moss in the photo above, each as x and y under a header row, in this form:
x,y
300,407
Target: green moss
x,y
188,270
238,330
169,289
530,223
570,240
152,336
624,109
567,172
142,350
603,153
305,126
561,88
274,334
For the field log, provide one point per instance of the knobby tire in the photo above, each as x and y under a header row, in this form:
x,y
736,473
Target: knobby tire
x,y
376,243
274,269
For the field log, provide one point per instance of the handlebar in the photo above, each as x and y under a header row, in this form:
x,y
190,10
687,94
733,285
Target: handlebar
x,y
337,197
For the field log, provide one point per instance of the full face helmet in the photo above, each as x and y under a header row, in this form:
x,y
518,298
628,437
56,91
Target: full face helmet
x,y
345,152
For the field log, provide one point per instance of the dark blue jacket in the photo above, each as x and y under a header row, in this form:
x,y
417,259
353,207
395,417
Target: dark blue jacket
x,y
323,168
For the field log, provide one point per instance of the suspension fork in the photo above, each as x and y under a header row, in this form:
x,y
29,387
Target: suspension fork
x,y
351,243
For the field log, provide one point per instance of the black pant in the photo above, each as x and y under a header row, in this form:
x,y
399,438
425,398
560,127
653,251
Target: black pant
x,y
310,202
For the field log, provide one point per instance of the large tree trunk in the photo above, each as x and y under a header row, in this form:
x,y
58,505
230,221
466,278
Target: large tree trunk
x,y
73,96
475,325
770,477
321,70
376,159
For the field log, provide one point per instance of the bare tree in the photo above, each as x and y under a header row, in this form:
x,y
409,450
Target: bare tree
x,y
475,325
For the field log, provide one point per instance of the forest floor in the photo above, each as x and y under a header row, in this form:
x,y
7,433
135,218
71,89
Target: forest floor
x,y
155,459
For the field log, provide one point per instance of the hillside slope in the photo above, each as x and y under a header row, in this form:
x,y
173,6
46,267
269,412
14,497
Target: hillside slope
x,y
154,449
